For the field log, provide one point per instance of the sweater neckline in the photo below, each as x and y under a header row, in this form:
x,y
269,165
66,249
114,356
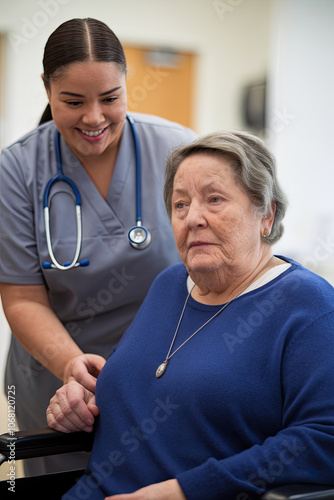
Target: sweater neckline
x,y
267,277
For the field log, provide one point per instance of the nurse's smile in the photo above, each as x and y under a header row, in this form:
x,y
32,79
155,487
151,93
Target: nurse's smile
x,y
92,136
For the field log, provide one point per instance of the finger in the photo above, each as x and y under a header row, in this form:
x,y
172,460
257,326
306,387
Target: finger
x,y
52,422
129,496
92,407
96,363
86,368
59,421
70,410
74,405
166,490
142,494
85,379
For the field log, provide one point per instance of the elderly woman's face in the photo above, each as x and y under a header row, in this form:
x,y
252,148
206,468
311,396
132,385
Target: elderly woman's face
x,y
213,220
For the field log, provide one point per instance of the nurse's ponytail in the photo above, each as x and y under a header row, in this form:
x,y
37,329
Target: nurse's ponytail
x,y
81,40
46,116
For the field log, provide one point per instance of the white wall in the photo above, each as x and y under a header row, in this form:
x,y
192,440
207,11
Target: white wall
x,y
300,112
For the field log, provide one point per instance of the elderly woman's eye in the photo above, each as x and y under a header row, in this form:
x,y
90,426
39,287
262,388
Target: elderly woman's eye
x,y
179,205
215,199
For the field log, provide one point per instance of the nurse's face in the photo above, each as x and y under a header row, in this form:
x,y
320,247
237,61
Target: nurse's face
x,y
88,104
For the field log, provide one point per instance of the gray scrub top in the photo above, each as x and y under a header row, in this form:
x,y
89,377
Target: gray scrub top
x,y
95,303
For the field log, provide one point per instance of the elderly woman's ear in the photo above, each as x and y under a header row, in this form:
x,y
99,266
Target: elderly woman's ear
x,y
267,222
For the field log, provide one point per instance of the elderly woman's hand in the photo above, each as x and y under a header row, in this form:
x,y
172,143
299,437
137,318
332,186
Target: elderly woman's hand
x,y
167,490
72,408
84,369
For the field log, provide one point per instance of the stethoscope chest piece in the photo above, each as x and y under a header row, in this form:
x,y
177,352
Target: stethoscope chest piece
x,y
139,237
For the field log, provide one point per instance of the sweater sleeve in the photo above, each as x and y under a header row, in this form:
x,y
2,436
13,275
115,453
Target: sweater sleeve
x,y
303,450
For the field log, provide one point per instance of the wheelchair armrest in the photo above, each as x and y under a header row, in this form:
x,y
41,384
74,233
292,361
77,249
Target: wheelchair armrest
x,y
42,442
300,492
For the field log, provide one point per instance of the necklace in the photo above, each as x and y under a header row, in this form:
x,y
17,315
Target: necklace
x,y
162,368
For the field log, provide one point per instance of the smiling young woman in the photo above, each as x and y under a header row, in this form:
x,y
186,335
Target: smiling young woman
x,y
89,117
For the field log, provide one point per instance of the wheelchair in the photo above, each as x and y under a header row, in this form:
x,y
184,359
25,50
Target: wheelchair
x,y
44,442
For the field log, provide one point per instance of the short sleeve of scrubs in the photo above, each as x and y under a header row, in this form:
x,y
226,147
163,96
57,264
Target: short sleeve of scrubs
x,y
19,261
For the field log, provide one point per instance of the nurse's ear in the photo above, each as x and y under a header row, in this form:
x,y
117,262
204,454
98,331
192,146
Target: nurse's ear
x,y
46,86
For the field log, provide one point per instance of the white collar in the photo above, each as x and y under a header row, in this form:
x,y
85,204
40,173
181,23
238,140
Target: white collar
x,y
263,280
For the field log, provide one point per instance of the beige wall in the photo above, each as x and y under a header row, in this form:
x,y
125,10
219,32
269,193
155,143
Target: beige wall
x,y
231,43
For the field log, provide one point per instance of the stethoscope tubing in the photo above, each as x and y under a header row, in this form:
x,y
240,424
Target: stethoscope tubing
x,y
138,170
55,264
60,177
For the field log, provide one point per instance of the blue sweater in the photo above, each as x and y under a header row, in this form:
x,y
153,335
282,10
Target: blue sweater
x,y
246,405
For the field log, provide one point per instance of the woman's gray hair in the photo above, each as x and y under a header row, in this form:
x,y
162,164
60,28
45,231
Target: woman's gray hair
x,y
254,168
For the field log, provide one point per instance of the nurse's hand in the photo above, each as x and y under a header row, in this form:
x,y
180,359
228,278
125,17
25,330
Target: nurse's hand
x,y
167,490
84,369
72,409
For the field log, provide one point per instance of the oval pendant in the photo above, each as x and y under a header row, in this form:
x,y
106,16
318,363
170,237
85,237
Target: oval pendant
x,y
161,369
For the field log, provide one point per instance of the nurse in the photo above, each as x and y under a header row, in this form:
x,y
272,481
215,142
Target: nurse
x,y
65,322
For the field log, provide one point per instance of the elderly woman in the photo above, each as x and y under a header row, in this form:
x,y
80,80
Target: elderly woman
x,y
222,387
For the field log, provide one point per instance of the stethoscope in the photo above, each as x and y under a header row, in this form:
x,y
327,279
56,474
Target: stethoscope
x,y
139,236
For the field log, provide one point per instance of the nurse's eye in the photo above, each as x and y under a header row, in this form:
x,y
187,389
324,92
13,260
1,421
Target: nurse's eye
x,y
73,103
110,100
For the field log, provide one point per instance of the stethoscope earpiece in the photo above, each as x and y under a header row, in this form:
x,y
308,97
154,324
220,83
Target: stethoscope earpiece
x,y
81,263
139,237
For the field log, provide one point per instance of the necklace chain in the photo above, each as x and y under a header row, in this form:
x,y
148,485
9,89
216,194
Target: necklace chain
x,y
162,368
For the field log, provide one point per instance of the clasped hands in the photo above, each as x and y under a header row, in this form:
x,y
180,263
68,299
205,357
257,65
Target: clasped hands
x,y
73,408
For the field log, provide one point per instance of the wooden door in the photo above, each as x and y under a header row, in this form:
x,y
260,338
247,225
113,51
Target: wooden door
x,y
160,82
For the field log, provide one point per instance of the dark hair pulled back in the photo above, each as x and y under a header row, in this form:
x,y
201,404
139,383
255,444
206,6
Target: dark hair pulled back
x,y
79,40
